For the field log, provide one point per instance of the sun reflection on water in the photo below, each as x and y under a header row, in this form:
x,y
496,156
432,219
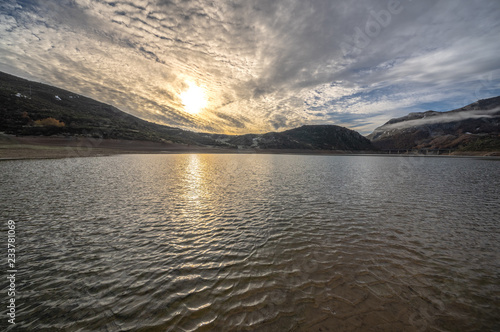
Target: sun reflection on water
x,y
195,186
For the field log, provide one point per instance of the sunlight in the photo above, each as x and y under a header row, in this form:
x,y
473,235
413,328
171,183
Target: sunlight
x,y
193,99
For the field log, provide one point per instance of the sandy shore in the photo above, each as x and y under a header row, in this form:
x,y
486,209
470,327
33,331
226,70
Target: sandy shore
x,y
41,147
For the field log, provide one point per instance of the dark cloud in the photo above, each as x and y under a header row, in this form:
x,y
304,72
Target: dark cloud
x,y
265,65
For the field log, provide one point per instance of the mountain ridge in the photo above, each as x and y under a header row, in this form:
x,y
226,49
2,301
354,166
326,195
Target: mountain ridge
x,y
31,108
469,128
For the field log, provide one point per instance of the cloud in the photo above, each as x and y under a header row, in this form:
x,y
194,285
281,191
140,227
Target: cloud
x,y
435,118
264,65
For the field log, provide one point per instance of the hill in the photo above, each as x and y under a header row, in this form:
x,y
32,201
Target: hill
x,y
475,127
34,109
31,108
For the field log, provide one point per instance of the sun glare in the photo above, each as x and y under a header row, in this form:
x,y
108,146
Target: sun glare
x,y
193,99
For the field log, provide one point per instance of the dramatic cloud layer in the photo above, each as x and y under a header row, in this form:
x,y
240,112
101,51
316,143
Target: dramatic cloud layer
x,y
263,64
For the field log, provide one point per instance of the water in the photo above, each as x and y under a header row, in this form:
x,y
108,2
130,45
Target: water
x,y
254,242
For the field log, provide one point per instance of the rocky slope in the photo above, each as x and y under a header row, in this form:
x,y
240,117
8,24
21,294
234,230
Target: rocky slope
x,y
475,127
30,108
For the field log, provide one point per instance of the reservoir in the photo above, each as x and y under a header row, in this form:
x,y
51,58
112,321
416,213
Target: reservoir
x,y
254,242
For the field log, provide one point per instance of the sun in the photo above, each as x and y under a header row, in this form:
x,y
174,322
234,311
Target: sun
x,y
193,99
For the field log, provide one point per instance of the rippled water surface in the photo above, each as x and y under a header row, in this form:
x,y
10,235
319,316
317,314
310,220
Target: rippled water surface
x,y
255,242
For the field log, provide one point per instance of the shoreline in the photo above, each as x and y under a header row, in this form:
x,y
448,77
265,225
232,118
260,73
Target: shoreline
x,y
50,147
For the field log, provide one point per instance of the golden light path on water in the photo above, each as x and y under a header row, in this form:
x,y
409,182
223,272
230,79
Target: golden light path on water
x,y
194,182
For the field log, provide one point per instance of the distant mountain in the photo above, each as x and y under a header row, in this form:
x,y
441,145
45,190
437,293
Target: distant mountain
x,y
319,137
475,127
30,108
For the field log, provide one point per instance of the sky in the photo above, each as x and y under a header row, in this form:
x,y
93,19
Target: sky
x,y
260,65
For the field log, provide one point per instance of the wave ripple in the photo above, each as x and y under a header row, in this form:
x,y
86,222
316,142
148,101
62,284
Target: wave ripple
x,y
255,242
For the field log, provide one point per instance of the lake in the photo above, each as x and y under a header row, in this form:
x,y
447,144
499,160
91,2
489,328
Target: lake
x,y
201,242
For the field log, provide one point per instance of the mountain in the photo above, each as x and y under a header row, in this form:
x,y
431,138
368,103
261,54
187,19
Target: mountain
x,y
312,137
475,127
30,108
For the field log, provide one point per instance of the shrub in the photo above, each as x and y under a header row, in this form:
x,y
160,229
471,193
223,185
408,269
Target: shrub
x,y
49,122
